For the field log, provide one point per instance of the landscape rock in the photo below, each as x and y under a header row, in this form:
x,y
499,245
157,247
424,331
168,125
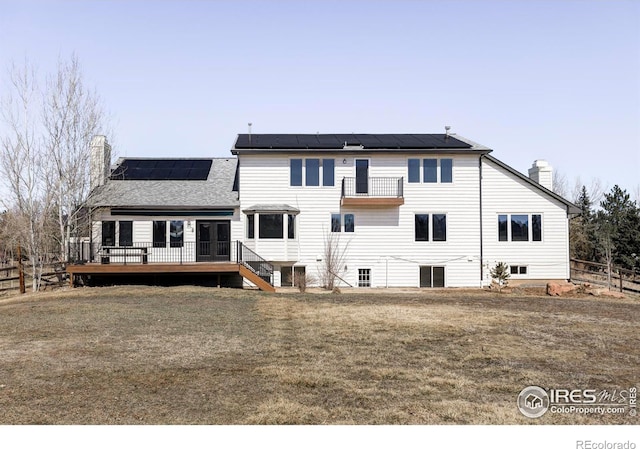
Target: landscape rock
x,y
606,292
560,288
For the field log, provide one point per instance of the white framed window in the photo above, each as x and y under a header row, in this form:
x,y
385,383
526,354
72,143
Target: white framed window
x,y
434,170
516,270
520,227
430,227
312,172
364,277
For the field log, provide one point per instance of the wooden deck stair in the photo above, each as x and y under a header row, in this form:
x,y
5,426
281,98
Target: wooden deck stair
x,y
252,276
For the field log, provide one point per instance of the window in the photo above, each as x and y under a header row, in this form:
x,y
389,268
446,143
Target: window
x,y
502,228
335,223
126,233
536,227
159,234
349,223
108,233
251,226
296,172
519,228
312,172
431,277
446,170
439,228
364,277
422,227
414,170
328,172
291,226
430,170
270,226
518,269
176,233
516,228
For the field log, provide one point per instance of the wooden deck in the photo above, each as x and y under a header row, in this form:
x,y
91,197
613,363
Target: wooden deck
x,y
158,268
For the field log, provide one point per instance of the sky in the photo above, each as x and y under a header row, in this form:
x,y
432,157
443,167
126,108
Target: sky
x,y
556,80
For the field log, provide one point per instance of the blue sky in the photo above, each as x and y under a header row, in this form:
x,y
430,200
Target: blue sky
x,y
557,80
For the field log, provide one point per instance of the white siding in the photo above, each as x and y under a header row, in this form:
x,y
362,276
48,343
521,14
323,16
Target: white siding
x,y
384,239
504,193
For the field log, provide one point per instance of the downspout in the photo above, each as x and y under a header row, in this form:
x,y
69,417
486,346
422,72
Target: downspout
x,y
480,204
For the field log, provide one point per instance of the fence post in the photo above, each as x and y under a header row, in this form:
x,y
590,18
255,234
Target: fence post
x,y
21,271
620,276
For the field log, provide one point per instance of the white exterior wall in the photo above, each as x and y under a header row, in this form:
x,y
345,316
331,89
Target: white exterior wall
x,y
143,233
504,193
384,238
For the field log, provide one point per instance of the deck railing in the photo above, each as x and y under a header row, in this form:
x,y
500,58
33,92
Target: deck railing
x,y
186,252
254,262
372,187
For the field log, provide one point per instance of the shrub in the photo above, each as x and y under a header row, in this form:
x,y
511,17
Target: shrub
x,y
500,274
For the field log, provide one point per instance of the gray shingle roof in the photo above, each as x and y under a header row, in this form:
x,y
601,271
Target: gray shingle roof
x,y
215,192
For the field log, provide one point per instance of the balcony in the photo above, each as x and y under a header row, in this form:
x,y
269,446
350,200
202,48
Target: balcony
x,y
374,192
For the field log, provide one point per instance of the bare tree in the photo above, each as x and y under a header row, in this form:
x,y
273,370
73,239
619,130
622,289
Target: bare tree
x,y
72,115
560,185
595,190
45,156
333,260
22,164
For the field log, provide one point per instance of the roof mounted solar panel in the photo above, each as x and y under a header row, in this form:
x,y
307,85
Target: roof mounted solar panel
x,y
163,170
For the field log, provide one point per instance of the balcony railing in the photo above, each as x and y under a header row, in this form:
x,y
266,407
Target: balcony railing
x,y
372,191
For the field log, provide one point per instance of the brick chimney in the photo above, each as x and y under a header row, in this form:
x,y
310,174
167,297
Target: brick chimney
x,y
542,173
100,161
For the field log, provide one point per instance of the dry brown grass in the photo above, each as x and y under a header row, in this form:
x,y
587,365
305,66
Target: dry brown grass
x,y
130,355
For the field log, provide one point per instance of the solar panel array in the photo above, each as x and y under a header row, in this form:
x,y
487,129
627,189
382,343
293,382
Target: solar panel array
x,y
163,170
338,141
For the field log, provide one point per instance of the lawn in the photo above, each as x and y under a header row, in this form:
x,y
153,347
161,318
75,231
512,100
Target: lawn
x,y
195,355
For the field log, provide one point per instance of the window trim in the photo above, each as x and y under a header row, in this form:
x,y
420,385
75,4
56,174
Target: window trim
x,y
112,224
530,234
307,169
291,227
364,276
431,227
322,175
519,269
353,223
438,170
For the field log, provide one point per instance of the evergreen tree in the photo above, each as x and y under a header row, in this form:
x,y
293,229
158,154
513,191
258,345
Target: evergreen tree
x,y
581,230
620,221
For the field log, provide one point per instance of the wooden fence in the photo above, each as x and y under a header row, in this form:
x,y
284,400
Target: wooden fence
x,y
53,274
596,273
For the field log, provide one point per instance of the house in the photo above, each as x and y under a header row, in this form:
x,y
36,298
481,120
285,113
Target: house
x,y
373,210
418,210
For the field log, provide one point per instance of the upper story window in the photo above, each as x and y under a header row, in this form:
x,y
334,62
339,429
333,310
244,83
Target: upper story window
x,y
315,171
312,172
295,172
433,170
336,224
520,227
